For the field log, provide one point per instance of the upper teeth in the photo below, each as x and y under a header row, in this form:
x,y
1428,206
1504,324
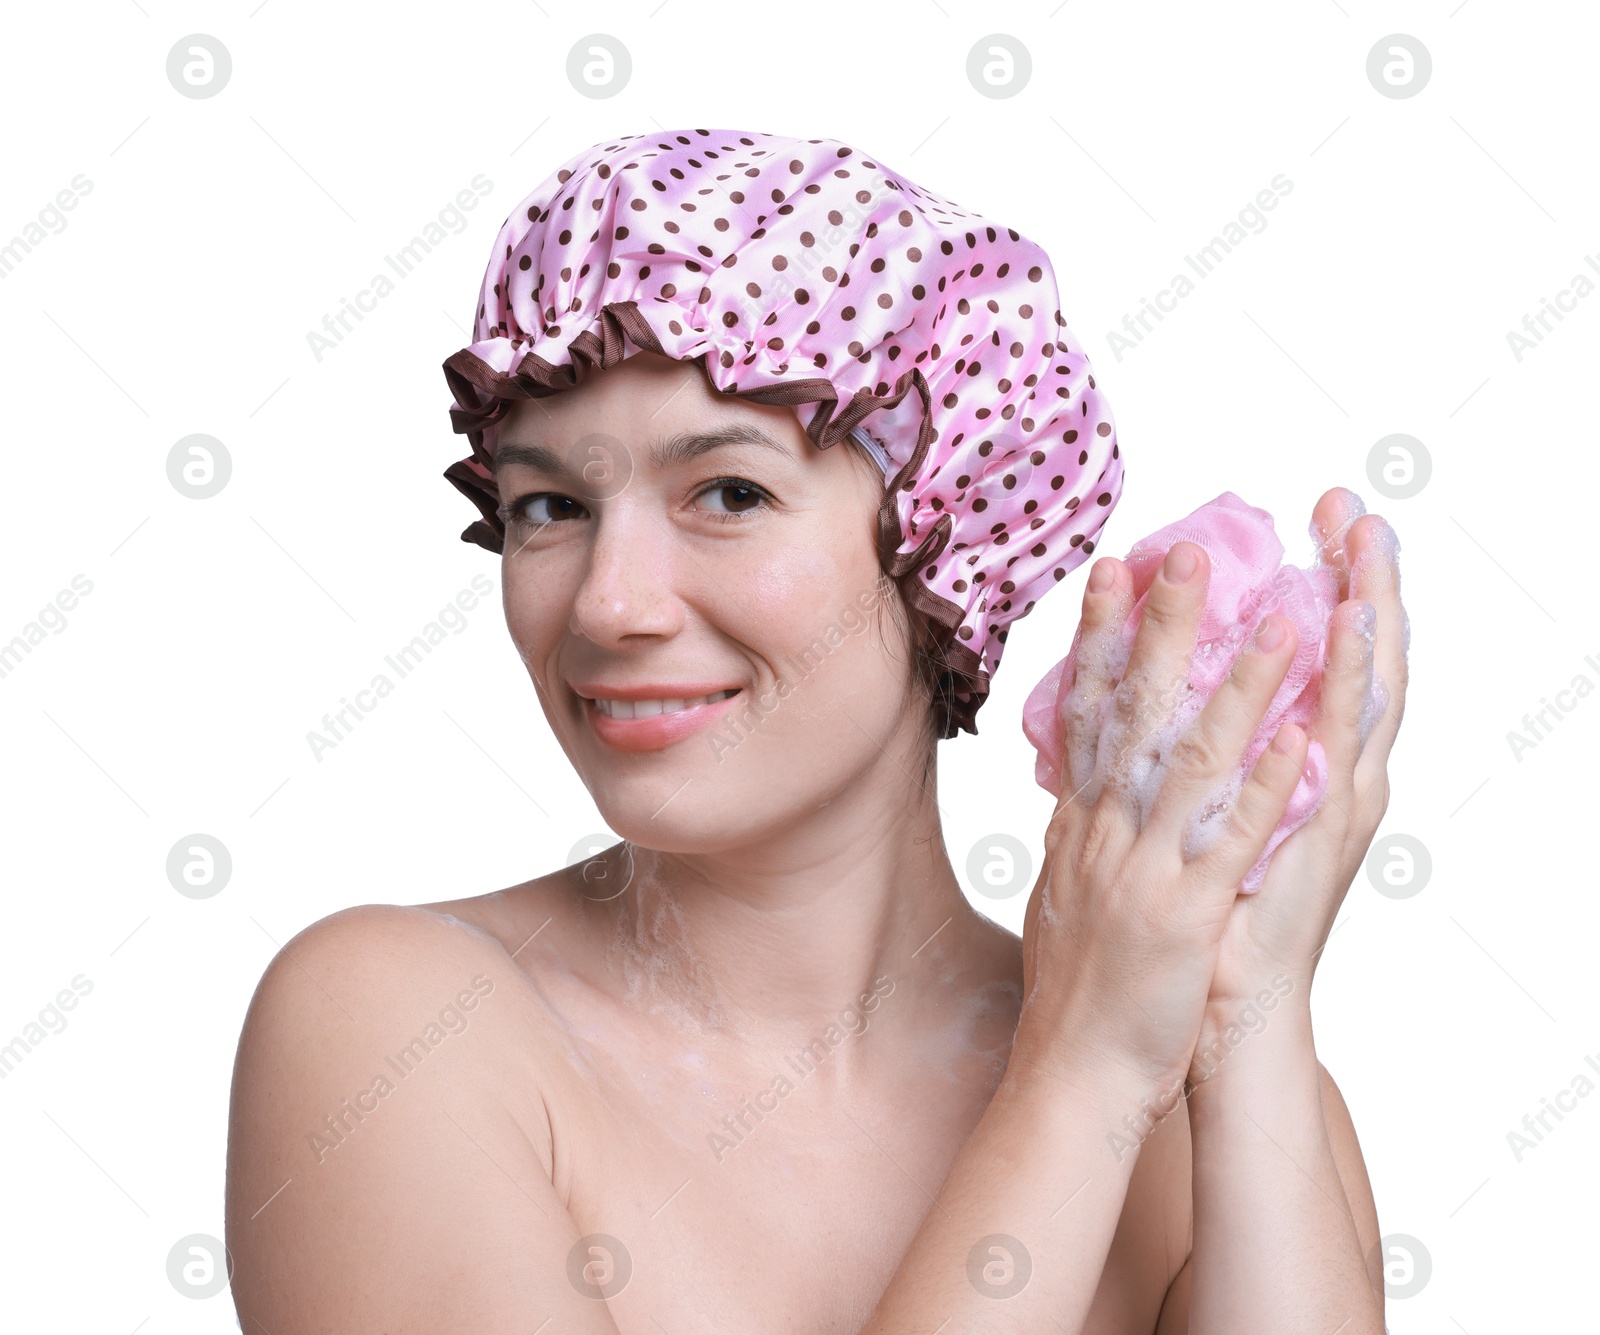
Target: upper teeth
x,y
647,708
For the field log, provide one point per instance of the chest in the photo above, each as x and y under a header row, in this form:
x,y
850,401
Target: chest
x,y
778,1201
774,1215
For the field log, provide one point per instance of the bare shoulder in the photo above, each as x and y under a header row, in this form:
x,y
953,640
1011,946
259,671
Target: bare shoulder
x,y
998,959
376,991
374,954
375,973
369,944
388,1148
516,918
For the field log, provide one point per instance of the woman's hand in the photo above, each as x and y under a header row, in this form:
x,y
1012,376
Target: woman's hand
x,y
1123,931
1280,931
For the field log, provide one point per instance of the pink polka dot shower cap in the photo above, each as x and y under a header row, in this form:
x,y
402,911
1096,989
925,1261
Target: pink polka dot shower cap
x,y
802,272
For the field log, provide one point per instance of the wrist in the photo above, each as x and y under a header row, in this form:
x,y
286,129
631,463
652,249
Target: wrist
x,y
1097,1092
1249,1049
1081,1069
1248,1009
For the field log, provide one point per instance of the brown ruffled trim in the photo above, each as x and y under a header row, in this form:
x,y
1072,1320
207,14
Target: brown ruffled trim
x,y
483,395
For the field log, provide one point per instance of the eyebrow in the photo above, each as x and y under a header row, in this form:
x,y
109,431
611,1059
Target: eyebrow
x,y
665,453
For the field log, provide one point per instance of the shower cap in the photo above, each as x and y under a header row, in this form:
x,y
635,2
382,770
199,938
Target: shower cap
x,y
803,272
1248,584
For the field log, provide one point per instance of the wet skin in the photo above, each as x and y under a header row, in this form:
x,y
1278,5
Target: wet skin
x,y
446,1098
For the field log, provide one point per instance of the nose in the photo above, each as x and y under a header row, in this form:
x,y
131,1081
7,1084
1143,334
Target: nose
x,y
629,582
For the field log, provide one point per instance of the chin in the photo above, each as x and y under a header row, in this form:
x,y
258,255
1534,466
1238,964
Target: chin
x,y
741,776
687,824
692,798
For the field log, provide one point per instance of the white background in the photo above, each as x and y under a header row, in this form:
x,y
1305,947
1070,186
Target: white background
x,y
177,699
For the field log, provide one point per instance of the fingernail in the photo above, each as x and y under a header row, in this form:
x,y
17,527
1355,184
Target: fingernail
x,y
1101,577
1366,618
1284,741
1180,564
1269,635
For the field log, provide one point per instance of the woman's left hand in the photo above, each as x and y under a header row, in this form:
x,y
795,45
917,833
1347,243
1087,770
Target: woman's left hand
x,y
1281,930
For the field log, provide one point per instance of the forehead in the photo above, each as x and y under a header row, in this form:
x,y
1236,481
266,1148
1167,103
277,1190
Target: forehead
x,y
647,397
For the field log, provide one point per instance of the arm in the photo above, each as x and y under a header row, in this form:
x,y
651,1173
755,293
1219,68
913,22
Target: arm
x,y
1353,1177
1120,948
1357,1193
1047,1170
375,1186
1277,1245
1283,1207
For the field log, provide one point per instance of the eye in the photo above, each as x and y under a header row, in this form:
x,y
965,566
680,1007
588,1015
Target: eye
x,y
745,497
539,508
739,499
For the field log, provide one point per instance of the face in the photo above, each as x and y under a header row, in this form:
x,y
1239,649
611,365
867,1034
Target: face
x,y
640,579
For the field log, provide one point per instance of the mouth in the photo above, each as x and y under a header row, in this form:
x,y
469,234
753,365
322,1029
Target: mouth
x,y
652,724
629,709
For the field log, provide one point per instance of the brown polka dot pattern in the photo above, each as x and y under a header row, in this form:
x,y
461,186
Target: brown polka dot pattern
x,y
805,272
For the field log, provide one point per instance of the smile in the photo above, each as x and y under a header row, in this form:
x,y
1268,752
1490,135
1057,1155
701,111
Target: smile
x,y
651,725
621,709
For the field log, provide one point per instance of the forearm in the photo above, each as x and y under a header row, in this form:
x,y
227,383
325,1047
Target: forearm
x,y
1276,1250
1041,1176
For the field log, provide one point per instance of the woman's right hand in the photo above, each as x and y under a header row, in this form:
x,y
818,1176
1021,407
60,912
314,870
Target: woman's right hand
x,y
1122,932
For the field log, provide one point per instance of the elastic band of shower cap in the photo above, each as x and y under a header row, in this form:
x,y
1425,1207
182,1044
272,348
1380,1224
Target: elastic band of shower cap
x,y
880,456
809,274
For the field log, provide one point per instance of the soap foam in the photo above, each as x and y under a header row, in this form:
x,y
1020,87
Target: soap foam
x,y
1210,818
1335,541
658,965
474,928
1137,753
1385,550
1376,699
1373,707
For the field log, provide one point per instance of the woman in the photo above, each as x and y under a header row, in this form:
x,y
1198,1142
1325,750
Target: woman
x,y
761,1066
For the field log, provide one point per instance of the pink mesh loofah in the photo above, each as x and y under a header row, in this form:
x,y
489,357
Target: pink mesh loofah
x,y
1248,583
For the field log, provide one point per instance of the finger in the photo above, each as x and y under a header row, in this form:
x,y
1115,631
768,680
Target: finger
x,y
1336,510
1343,722
1224,852
1206,757
1097,667
1374,550
1155,687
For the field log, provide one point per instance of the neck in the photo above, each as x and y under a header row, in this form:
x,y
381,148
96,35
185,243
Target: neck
x,y
774,939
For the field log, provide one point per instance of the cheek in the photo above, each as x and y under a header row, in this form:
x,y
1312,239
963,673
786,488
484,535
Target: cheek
x,y
536,607
795,582
803,612
814,581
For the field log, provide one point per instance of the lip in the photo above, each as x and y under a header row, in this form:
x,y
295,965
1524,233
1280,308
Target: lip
x,y
651,690
659,730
